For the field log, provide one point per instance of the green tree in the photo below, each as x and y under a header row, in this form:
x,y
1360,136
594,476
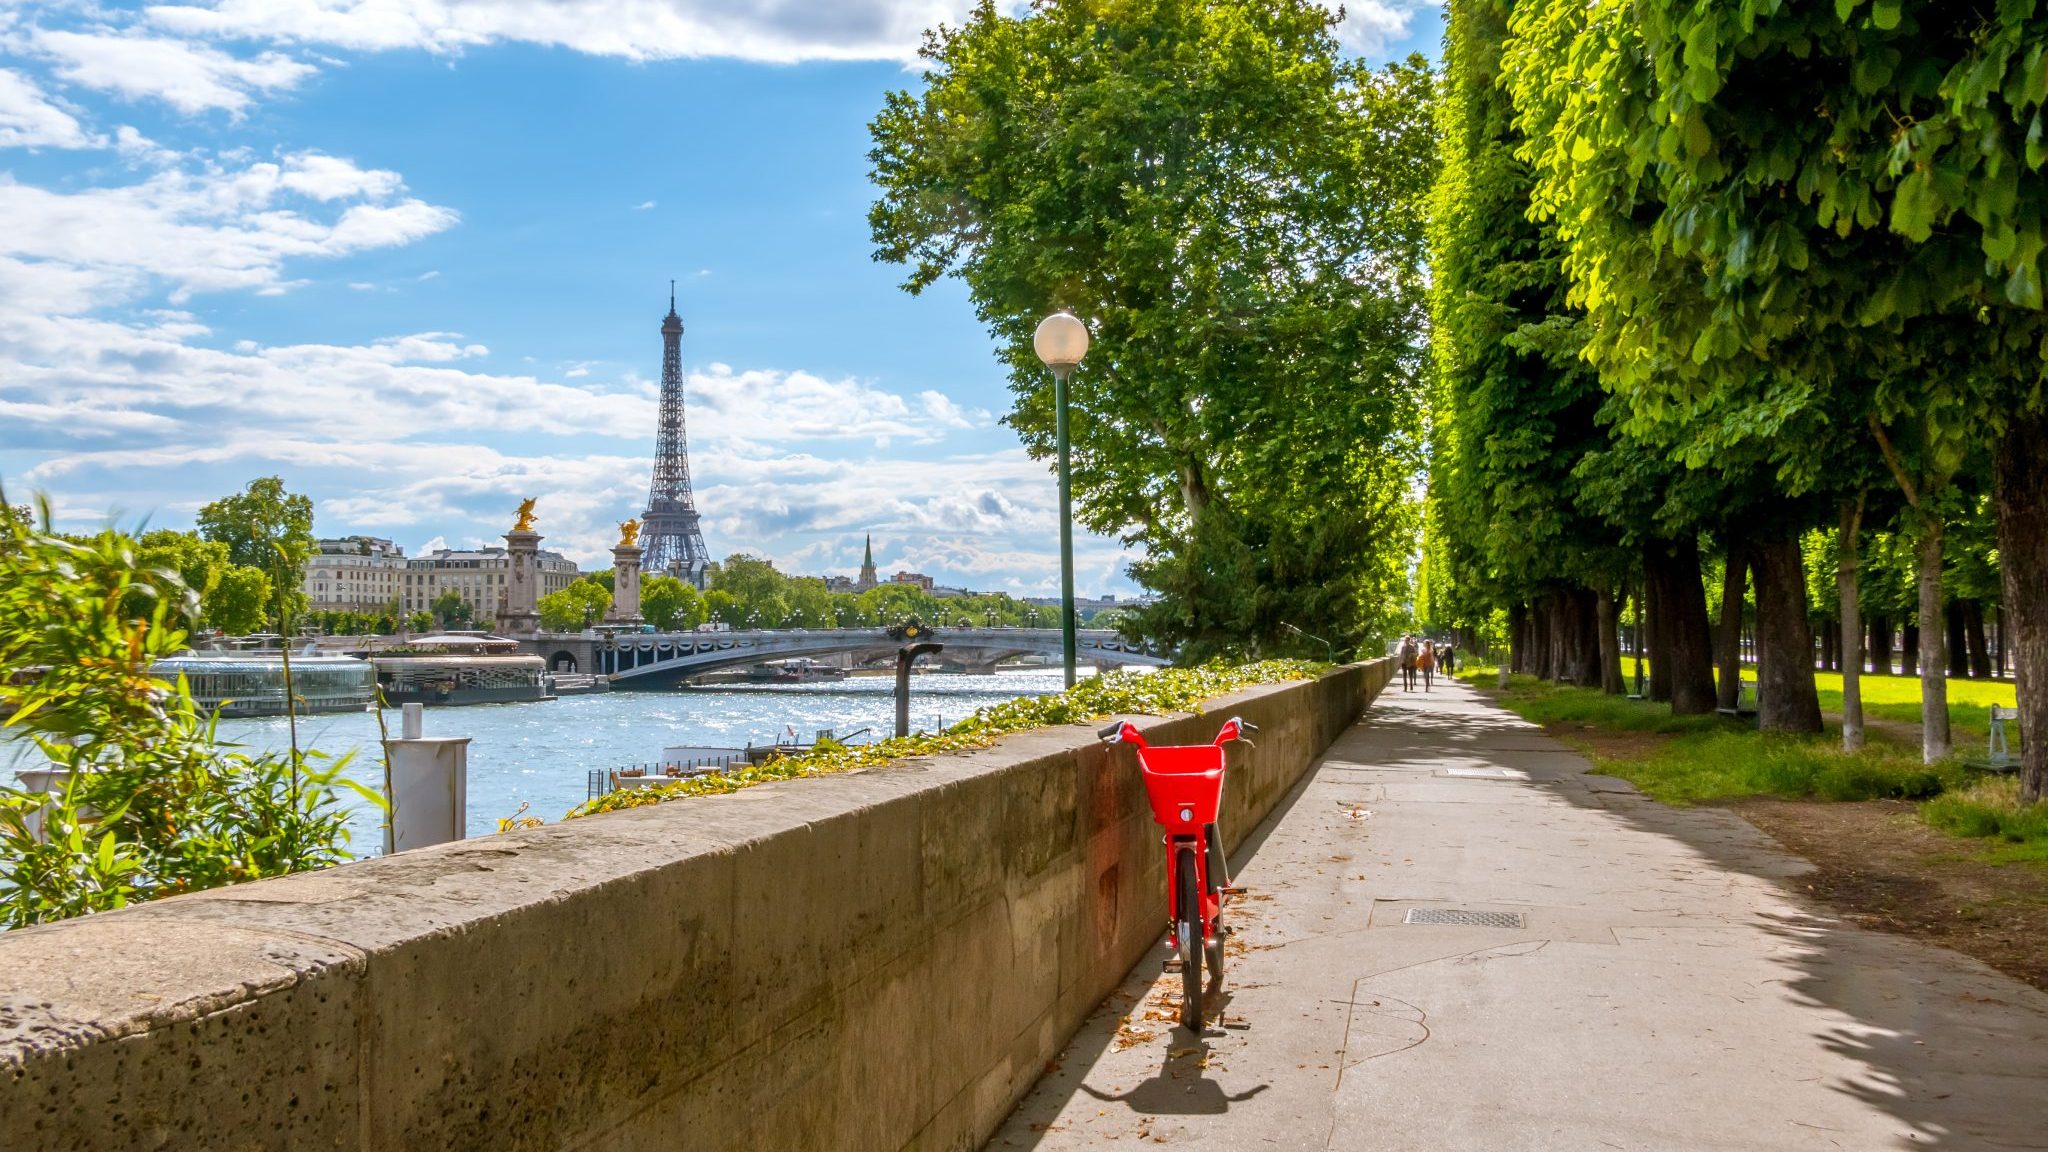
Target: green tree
x,y
265,527
1783,217
1236,210
149,804
582,603
240,600
450,610
419,622
671,605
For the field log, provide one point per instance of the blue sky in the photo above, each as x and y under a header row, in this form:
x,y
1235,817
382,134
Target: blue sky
x,y
413,258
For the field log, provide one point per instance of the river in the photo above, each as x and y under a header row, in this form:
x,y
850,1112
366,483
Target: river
x,y
540,754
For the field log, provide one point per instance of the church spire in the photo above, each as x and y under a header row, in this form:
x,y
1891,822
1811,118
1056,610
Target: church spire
x,y
867,568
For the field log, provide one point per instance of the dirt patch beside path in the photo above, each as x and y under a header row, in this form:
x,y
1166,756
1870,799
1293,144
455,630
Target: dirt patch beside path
x,y
1880,867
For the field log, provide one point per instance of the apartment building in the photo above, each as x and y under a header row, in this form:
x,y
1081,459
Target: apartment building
x,y
479,576
355,574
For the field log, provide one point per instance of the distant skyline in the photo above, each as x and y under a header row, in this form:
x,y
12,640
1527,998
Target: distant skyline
x,y
415,262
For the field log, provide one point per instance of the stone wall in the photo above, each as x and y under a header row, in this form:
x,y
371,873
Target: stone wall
x,y
879,960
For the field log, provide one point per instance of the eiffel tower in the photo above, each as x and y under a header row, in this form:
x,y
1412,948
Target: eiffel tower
x,y
668,529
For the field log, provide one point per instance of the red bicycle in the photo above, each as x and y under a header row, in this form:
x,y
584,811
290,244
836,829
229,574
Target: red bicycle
x,y
1185,786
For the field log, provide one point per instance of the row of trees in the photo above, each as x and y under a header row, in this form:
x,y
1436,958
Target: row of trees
x,y
243,566
1709,277
1236,208
748,592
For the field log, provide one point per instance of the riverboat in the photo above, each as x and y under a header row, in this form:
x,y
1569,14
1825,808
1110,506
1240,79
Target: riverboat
x,y
252,682
460,668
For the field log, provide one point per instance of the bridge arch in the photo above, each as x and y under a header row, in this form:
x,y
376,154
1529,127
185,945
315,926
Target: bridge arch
x,y
658,660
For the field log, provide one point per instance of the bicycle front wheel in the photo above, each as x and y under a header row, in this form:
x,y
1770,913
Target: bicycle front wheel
x,y
1188,937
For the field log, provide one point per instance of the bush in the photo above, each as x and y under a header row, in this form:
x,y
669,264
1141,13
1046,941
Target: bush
x,y
152,805
1156,693
1990,809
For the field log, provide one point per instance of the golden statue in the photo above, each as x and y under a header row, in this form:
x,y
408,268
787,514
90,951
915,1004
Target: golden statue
x,y
629,534
525,516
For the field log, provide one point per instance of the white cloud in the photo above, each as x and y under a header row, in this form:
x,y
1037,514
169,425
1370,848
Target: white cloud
x,y
29,120
326,177
218,228
770,405
1369,27
781,31
189,77
644,206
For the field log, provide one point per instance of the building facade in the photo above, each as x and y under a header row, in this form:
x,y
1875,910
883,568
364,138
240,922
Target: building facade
x,y
355,574
479,576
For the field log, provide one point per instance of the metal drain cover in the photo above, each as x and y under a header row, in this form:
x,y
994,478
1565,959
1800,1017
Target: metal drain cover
x,y
1462,918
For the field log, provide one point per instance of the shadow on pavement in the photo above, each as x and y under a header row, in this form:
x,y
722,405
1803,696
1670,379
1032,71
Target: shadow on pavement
x,y
1953,1049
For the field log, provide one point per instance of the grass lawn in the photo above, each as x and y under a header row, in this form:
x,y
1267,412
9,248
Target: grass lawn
x,y
1704,759
1898,698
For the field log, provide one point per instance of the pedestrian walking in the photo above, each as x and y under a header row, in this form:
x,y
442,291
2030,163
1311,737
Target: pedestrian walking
x,y
1408,653
1449,656
1426,662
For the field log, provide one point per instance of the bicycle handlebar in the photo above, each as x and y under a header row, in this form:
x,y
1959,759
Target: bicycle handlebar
x,y
1114,733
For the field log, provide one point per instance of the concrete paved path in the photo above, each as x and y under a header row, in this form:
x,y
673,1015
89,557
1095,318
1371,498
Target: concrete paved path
x,y
1667,989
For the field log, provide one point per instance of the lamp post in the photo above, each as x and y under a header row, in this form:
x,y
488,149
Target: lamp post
x,y
1060,341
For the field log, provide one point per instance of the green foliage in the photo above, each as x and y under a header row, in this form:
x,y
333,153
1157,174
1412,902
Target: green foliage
x,y
1517,413
582,603
419,622
1786,221
671,605
1703,759
266,528
151,803
1235,209
1115,694
239,601
1991,809
450,610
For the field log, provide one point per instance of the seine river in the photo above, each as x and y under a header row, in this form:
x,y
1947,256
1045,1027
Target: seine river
x,y
540,754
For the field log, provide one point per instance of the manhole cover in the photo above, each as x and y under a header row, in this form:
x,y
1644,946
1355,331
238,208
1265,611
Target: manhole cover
x,y
1462,918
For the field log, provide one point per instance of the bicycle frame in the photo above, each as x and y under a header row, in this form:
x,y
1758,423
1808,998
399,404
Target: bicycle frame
x,y
1184,785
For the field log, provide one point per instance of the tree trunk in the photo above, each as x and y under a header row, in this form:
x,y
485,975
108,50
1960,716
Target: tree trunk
x,y
1909,649
1973,635
1958,643
1785,697
1881,645
1608,608
2022,499
1934,741
1847,577
1689,638
1540,633
1653,626
1563,630
1518,638
1585,617
1728,645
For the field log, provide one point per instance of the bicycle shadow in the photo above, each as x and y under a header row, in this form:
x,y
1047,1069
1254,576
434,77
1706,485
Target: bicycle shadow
x,y
1180,1088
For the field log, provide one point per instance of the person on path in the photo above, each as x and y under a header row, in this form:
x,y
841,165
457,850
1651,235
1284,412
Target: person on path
x,y
1408,654
1449,657
1426,661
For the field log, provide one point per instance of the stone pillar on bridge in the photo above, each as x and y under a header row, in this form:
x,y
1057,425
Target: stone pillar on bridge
x,y
521,616
625,607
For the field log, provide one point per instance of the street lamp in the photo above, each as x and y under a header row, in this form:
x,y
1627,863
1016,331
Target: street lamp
x,y
1061,341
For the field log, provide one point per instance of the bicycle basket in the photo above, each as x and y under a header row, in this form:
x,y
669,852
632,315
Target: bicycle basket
x,y
1183,779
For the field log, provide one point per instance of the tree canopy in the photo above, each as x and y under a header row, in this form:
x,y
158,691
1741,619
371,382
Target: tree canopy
x,y
1236,210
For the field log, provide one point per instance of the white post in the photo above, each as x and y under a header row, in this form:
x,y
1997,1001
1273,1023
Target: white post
x,y
429,786
46,782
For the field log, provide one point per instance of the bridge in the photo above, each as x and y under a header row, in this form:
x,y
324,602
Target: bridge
x,y
658,660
